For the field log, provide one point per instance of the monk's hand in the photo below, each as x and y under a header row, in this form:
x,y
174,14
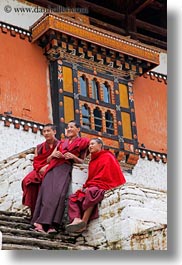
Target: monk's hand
x,y
69,155
42,170
57,154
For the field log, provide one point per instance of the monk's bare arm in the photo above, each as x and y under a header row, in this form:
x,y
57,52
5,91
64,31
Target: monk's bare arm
x,y
36,152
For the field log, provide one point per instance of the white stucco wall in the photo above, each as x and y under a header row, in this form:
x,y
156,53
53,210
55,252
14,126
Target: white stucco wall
x,y
27,15
14,140
162,68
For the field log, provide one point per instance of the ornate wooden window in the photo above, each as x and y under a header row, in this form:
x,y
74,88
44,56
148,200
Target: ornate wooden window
x,y
86,123
98,119
109,122
106,92
101,103
84,86
95,89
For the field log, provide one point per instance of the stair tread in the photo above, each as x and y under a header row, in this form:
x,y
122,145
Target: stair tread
x,y
59,236
14,218
8,213
18,247
45,244
24,226
16,234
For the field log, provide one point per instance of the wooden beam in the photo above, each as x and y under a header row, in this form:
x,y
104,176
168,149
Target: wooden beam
x,y
141,7
107,26
151,28
149,40
118,16
100,10
44,3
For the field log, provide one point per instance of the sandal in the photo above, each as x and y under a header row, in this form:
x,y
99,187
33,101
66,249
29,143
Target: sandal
x,y
81,230
71,228
52,231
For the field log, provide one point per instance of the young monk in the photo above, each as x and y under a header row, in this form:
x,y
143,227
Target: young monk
x,y
104,173
32,181
50,203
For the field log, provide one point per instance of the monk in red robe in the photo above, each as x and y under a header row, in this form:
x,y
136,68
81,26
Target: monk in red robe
x,y
32,181
51,199
104,173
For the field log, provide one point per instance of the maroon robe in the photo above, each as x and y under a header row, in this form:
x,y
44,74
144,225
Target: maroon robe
x,y
50,203
104,173
32,181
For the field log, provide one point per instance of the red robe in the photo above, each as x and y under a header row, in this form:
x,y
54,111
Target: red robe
x,y
104,173
76,148
51,199
31,182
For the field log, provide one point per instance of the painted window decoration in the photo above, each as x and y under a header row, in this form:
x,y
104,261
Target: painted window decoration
x,y
109,122
98,119
84,86
86,123
98,108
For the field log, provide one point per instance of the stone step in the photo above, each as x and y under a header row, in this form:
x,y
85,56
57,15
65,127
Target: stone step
x,y
36,242
17,234
17,225
18,247
18,214
13,218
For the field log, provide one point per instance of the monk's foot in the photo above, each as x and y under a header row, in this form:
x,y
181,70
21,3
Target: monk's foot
x,y
38,228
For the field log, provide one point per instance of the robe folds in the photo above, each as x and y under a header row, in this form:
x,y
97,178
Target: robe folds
x,y
104,173
50,203
31,182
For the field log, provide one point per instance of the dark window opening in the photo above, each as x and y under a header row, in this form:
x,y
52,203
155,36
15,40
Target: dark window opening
x,y
106,93
109,122
86,117
83,86
95,89
98,119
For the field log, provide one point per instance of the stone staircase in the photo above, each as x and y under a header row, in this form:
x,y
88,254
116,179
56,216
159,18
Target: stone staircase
x,y
17,235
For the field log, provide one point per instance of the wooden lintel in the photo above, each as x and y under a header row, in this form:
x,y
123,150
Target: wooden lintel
x,y
141,7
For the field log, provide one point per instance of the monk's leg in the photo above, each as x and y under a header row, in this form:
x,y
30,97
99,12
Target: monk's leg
x,y
73,209
87,214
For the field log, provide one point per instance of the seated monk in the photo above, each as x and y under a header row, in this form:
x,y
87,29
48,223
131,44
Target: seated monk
x,y
50,203
104,173
32,181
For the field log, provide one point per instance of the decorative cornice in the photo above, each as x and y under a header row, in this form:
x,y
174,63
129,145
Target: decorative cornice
x,y
14,31
156,76
129,160
19,123
94,35
152,155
